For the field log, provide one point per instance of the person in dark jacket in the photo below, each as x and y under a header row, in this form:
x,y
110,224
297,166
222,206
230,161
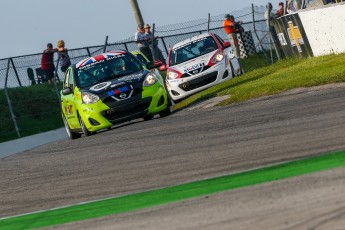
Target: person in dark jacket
x,y
153,44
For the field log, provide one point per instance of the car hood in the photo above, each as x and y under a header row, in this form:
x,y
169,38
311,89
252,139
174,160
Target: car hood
x,y
102,87
193,64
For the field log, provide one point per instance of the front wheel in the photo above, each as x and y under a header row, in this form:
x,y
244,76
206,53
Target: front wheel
x,y
166,112
71,135
147,117
83,127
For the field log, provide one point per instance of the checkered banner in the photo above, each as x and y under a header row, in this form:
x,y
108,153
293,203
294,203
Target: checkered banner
x,y
246,44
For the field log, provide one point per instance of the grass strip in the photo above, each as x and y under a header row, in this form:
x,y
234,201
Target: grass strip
x,y
152,198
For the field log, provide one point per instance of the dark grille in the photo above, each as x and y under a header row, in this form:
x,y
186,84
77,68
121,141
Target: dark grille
x,y
111,102
199,82
128,111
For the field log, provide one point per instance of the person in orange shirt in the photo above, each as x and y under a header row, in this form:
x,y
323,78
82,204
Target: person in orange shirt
x,y
230,29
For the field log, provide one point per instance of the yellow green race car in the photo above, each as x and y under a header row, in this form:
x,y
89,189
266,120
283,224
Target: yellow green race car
x,y
108,89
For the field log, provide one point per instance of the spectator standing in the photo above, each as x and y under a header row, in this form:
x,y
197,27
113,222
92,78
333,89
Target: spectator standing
x,y
64,58
142,42
280,11
229,26
47,63
153,44
293,6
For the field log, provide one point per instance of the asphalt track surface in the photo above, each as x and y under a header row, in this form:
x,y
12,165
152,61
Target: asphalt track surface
x,y
189,145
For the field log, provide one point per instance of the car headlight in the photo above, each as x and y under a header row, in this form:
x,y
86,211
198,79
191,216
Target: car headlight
x,y
171,74
89,98
150,79
219,57
216,58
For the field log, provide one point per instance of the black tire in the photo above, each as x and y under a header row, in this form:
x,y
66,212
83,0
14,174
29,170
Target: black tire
x,y
166,112
71,135
83,128
147,117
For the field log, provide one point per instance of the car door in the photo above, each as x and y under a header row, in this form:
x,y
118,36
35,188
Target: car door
x,y
68,100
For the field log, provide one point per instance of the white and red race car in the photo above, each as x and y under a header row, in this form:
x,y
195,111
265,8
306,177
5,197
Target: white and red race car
x,y
198,63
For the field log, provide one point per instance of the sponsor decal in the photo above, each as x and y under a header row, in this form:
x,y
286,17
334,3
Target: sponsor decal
x,y
187,44
121,93
117,84
118,91
193,68
69,109
295,36
130,77
282,40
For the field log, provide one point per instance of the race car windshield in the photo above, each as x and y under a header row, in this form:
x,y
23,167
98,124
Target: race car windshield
x,y
107,69
192,50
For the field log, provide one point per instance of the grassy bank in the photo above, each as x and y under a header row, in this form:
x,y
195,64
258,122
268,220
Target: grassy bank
x,y
35,108
279,77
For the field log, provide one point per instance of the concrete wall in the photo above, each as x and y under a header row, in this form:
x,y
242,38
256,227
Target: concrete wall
x,y
325,28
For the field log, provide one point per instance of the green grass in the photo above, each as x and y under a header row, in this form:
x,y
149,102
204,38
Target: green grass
x,y
36,109
167,195
279,77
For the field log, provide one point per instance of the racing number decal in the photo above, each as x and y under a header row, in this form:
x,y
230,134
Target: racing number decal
x,y
69,109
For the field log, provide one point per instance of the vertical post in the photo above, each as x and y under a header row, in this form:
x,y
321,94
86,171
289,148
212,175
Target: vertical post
x,y
88,51
269,10
136,10
257,36
165,46
286,7
153,32
208,22
105,44
15,71
271,32
9,100
303,4
126,47
56,76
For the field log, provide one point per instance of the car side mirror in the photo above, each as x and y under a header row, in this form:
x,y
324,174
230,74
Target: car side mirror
x,y
226,44
67,91
163,67
152,65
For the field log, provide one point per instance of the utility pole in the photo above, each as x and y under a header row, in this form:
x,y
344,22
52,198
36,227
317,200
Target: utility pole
x,y
136,11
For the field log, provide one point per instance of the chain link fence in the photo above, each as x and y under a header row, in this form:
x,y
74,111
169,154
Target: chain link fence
x,y
27,106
